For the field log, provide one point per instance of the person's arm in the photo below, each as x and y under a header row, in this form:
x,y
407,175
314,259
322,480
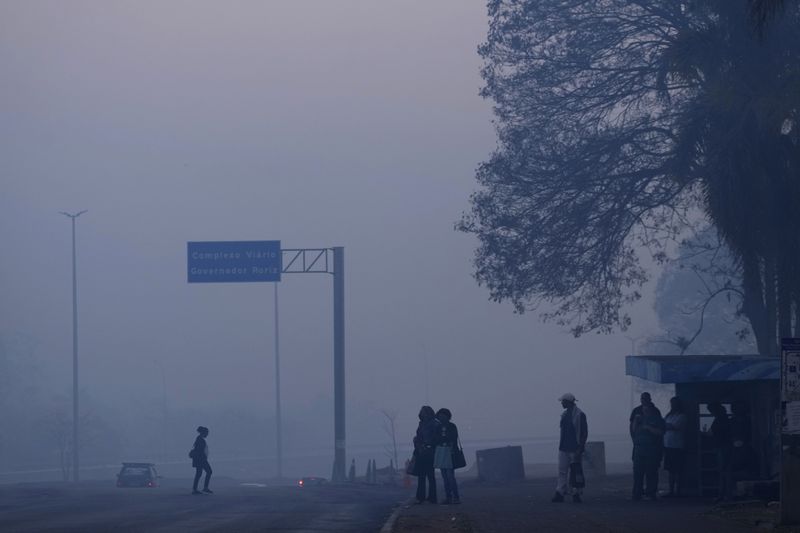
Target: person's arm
x,y
455,435
632,426
657,428
584,436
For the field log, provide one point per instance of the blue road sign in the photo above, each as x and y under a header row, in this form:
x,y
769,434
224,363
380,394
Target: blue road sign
x,y
233,261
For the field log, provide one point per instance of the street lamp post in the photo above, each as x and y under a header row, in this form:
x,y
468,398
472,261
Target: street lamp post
x,y
164,425
75,454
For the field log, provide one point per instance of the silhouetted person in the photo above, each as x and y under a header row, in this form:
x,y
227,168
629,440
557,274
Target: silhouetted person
x,y
446,445
722,440
675,445
200,461
571,445
647,430
424,446
351,475
645,399
744,460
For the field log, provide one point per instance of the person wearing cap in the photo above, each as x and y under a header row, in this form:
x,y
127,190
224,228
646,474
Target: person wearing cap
x,y
571,445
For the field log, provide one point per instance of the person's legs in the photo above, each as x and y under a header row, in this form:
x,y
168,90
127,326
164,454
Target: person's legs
x,y
198,471
432,485
447,474
651,475
421,486
454,487
638,476
576,491
207,468
562,486
724,462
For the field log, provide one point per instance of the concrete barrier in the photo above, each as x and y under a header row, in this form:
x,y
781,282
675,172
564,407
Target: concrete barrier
x,y
500,464
594,459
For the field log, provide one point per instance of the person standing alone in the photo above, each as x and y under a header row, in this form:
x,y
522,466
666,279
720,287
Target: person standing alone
x,y
571,445
199,455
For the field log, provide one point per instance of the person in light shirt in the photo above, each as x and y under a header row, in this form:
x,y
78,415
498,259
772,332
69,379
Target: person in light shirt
x,y
571,445
675,445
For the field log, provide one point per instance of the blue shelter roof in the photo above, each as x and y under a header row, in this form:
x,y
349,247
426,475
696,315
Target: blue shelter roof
x,y
702,368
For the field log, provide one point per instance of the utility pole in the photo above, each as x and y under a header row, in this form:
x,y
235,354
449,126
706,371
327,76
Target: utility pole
x,y
164,417
75,452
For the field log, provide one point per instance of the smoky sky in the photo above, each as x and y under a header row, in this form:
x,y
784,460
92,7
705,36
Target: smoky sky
x,y
346,123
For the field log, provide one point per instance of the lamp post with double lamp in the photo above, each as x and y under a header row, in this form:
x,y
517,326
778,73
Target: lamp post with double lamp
x,y
75,454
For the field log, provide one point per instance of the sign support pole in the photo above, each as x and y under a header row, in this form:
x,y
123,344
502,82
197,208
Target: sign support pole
x,y
278,419
338,365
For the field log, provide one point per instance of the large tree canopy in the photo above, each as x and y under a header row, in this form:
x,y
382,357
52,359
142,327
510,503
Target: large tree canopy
x,y
620,122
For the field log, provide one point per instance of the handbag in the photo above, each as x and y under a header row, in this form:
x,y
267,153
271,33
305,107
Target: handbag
x,y
459,461
576,478
411,465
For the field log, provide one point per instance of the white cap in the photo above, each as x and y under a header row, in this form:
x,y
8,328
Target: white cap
x,y
568,396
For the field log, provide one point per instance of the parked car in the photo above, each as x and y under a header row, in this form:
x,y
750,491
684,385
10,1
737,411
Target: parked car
x,y
138,475
312,480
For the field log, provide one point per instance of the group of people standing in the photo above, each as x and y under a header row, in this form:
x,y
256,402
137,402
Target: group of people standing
x,y
656,438
436,445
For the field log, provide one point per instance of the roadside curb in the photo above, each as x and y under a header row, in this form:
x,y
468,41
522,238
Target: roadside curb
x,y
388,527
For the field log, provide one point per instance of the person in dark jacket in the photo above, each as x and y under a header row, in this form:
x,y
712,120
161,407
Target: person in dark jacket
x,y
743,460
572,443
424,448
647,430
200,461
646,400
446,445
722,439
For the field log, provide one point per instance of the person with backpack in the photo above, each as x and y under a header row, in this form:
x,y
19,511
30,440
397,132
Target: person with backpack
x,y
199,455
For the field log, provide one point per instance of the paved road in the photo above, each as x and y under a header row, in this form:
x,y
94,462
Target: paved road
x,y
233,507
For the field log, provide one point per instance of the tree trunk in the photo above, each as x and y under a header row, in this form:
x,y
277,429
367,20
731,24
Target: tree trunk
x,y
753,304
771,305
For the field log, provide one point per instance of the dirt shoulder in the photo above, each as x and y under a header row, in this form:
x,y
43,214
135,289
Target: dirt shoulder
x,y
525,506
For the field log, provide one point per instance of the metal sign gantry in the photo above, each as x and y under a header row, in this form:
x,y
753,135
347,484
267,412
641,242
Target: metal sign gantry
x,y
248,261
328,261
